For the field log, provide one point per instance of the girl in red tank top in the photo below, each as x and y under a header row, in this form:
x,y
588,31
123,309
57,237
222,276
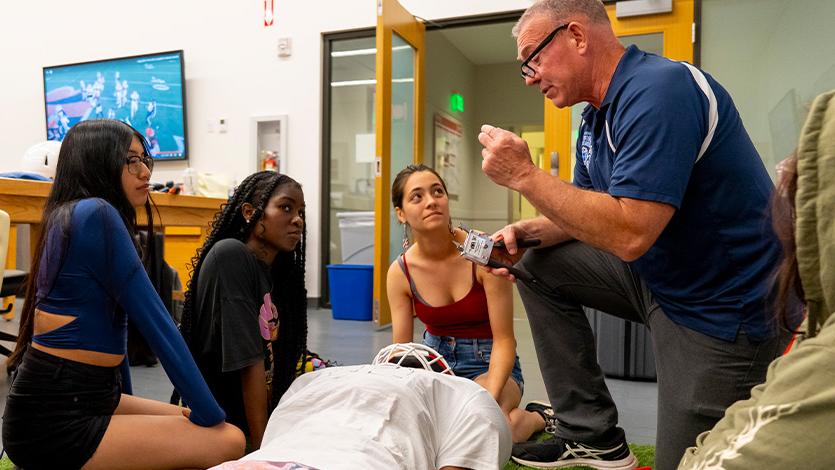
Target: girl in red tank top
x,y
467,312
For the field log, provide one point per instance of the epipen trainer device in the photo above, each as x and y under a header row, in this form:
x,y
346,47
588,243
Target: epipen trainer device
x,y
478,246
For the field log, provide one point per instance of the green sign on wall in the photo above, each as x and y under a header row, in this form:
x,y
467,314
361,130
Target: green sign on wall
x,y
456,102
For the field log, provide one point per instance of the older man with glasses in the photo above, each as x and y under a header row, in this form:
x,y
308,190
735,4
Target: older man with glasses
x,y
664,224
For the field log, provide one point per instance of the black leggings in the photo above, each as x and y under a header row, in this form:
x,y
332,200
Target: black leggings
x,y
57,411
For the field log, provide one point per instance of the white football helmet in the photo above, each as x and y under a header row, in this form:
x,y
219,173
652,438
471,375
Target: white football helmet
x,y
42,158
427,357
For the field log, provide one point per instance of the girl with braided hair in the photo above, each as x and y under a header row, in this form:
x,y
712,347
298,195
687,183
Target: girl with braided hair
x,y
244,316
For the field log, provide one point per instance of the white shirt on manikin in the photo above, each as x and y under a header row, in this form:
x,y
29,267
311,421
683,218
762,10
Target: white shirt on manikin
x,y
386,417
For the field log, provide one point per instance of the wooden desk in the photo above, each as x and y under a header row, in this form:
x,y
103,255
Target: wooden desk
x,y
186,217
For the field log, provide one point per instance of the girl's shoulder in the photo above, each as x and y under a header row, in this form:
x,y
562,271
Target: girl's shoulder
x,y
94,211
233,260
229,247
93,205
231,252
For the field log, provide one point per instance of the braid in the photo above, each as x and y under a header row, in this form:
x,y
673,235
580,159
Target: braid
x,y
291,345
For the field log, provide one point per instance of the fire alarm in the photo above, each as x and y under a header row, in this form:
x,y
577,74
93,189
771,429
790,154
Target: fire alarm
x,y
284,49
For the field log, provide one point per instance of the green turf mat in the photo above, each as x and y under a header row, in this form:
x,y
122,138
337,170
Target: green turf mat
x,y
645,455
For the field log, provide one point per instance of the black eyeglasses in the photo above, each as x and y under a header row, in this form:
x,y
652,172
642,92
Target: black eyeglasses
x,y
527,70
135,162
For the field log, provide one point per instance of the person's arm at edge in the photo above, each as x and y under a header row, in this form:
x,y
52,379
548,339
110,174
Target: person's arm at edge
x,y
400,303
500,307
156,326
254,393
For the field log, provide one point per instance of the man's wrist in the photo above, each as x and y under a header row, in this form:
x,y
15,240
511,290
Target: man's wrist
x,y
527,180
524,227
532,228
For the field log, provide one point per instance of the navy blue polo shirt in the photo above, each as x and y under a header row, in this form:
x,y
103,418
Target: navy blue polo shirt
x,y
709,269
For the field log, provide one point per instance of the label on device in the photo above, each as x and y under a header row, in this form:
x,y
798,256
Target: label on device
x,y
477,247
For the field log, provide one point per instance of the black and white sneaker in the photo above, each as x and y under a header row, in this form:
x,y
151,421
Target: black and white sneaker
x,y
608,453
544,409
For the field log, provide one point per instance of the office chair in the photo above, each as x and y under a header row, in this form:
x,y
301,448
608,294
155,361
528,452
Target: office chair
x,y
12,281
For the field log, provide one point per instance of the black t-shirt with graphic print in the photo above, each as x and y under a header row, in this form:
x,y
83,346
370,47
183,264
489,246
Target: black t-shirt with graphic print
x,y
225,333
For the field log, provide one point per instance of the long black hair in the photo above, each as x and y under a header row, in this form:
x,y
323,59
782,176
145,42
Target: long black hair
x,y
287,271
90,164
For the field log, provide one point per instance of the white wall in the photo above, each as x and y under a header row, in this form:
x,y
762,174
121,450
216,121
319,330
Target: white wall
x,y
231,67
760,50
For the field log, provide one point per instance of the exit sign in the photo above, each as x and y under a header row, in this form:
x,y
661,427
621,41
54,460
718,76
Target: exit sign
x,y
456,102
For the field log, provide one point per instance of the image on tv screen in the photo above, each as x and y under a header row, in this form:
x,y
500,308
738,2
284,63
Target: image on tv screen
x,y
143,91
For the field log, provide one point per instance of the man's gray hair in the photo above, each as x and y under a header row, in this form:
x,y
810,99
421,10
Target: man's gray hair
x,y
560,10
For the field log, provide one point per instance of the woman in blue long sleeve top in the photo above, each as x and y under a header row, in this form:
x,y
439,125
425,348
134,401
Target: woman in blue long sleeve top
x,y
69,405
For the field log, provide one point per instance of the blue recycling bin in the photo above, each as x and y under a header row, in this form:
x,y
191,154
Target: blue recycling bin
x,y
352,291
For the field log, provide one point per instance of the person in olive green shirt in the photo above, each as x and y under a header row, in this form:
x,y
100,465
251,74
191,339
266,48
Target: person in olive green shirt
x,y
789,421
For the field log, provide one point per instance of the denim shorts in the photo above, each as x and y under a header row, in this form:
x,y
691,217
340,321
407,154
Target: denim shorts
x,y
469,357
57,411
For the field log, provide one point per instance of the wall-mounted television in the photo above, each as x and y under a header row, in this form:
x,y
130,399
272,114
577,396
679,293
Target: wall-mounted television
x,y
146,91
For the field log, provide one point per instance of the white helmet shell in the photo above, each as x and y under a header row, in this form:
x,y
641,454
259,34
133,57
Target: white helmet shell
x,y
430,359
42,158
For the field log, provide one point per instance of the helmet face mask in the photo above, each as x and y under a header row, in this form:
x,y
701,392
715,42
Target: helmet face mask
x,y
413,355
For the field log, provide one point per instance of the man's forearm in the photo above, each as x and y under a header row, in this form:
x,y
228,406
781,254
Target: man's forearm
x,y
595,218
545,230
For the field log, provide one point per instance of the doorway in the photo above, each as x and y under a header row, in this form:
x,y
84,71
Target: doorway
x,y
465,75
471,60
472,78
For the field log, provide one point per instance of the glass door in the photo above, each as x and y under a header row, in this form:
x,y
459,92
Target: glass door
x,y
348,148
398,98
